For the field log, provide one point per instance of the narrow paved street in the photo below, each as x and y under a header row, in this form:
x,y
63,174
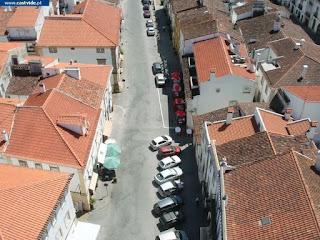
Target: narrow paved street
x,y
142,112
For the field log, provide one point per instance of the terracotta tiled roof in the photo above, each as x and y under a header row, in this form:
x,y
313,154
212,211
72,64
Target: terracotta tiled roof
x,y
89,89
6,46
274,122
22,85
24,17
311,180
36,136
291,29
248,7
45,60
249,108
76,119
212,55
298,127
99,24
269,188
186,78
33,195
8,111
239,128
77,8
183,5
4,18
309,48
306,93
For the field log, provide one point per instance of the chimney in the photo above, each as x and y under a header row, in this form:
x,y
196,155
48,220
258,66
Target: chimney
x,y
288,113
304,71
5,136
277,25
302,41
257,60
42,88
231,47
297,46
229,115
312,129
228,37
317,165
71,61
73,72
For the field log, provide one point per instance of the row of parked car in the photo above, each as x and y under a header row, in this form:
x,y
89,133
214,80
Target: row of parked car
x,y
170,185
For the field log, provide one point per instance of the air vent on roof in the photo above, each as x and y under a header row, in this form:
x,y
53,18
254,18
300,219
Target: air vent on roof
x,y
265,221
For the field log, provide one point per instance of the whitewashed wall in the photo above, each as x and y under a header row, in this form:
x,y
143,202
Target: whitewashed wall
x,y
231,88
303,109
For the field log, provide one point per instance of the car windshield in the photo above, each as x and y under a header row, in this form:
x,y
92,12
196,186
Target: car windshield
x,y
159,176
175,200
153,142
161,164
164,137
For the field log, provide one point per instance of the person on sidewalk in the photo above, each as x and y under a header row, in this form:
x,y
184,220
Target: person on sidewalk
x,y
197,201
164,28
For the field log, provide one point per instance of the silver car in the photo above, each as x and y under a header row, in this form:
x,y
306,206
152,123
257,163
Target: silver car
x,y
150,31
149,23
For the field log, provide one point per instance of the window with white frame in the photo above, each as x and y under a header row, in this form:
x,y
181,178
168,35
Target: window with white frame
x,y
102,61
100,50
38,165
53,50
67,219
59,234
54,168
23,163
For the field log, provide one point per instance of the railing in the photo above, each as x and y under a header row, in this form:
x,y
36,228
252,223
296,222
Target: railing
x,y
308,14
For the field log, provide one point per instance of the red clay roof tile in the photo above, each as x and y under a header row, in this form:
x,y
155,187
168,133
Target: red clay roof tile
x,y
306,93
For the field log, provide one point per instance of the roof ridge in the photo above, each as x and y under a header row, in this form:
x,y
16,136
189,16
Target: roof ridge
x,y
36,181
305,188
225,54
63,139
289,70
271,143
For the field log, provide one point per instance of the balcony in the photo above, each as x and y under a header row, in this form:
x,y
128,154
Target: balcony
x,y
308,14
300,6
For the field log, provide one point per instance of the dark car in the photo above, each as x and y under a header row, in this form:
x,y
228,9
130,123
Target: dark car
x,y
170,219
146,7
146,13
167,204
156,68
169,151
169,188
145,2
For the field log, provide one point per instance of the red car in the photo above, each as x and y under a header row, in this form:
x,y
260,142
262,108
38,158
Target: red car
x,y
146,13
169,151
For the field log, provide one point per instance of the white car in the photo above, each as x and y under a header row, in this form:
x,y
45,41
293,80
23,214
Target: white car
x,y
161,141
160,79
172,235
150,31
169,162
170,188
149,23
168,175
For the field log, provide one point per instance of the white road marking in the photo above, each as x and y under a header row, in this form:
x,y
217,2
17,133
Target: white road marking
x,y
124,111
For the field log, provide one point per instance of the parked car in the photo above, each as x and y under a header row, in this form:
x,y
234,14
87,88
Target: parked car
x,y
160,142
156,68
145,2
170,219
167,204
173,235
169,162
146,6
150,31
149,23
169,188
169,151
146,14
168,175
160,79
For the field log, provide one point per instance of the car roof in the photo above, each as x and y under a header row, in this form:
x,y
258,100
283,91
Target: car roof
x,y
160,75
166,148
176,158
151,28
158,139
167,172
178,170
168,236
157,64
165,202
149,20
166,160
167,185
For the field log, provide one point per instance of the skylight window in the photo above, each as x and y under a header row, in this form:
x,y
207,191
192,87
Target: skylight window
x,y
265,221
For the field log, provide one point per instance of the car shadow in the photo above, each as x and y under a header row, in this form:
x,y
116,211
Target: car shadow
x,y
159,196
151,149
159,169
155,184
160,227
159,157
154,214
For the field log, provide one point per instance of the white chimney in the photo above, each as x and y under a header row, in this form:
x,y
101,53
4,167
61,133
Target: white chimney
x,y
257,59
302,41
277,25
8,9
228,37
42,88
251,67
5,136
297,46
288,113
229,115
312,129
317,165
231,47
73,72
304,71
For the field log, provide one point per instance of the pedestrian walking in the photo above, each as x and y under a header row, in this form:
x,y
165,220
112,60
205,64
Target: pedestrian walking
x,y
197,201
164,28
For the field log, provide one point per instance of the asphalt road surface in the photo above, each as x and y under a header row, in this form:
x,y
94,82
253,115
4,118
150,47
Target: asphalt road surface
x,y
142,112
